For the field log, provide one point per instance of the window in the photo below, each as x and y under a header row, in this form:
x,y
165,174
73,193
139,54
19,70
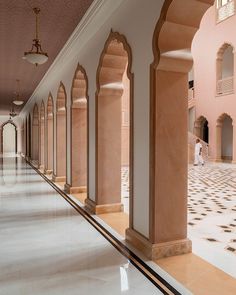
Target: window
x,y
225,9
225,70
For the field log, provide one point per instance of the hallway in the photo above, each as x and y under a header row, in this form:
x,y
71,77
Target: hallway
x,y
47,247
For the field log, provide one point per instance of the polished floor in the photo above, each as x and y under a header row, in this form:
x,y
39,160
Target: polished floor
x,y
49,248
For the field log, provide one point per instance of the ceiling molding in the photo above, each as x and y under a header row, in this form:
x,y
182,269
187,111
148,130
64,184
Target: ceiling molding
x,y
97,14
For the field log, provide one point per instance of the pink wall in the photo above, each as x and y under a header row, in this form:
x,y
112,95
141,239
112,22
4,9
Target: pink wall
x,y
205,46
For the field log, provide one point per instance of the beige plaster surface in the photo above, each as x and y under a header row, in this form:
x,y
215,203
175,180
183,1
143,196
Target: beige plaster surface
x,y
49,148
169,221
79,147
109,149
198,276
61,145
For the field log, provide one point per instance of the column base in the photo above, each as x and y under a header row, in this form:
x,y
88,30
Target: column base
x,y
75,190
218,160
58,178
47,172
41,167
160,250
35,163
92,207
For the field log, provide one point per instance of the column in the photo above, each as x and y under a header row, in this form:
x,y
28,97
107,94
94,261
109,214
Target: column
x,y
49,146
60,174
78,151
108,153
218,152
168,169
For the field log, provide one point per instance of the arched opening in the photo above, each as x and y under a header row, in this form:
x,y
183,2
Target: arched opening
x,y
59,174
225,70
26,136
201,129
49,136
224,138
29,138
169,71
9,139
114,128
42,136
35,136
79,101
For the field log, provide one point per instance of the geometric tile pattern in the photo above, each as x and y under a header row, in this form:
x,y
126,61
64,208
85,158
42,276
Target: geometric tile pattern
x,y
212,203
211,212
125,180
125,188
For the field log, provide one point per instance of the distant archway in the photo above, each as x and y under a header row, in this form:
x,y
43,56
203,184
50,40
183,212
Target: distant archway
x,y
26,136
42,136
114,129
29,137
9,138
59,173
35,136
201,129
225,70
224,138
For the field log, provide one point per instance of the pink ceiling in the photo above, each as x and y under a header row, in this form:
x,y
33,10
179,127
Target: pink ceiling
x,y
58,19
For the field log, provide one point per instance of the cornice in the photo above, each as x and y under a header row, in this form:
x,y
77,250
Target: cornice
x,y
97,13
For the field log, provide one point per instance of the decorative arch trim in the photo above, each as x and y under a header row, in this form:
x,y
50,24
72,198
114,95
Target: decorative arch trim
x,y
120,39
172,41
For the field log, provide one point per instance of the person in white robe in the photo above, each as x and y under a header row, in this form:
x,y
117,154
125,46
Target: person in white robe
x,y
198,154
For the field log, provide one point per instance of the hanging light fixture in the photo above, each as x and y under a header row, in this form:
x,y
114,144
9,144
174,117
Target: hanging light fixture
x,y
12,113
36,55
17,101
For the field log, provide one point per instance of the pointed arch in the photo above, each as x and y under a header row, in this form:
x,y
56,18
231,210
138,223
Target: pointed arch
x,y
59,173
225,69
2,134
35,136
29,138
42,136
172,61
224,138
49,135
114,87
221,118
201,128
79,132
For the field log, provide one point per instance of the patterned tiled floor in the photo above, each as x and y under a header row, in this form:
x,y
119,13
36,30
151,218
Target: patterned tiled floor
x,y
125,187
211,212
212,201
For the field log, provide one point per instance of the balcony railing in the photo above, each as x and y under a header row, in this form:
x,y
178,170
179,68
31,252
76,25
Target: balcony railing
x,y
225,86
225,11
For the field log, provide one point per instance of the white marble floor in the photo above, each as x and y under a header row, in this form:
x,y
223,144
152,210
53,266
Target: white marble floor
x,y
46,247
